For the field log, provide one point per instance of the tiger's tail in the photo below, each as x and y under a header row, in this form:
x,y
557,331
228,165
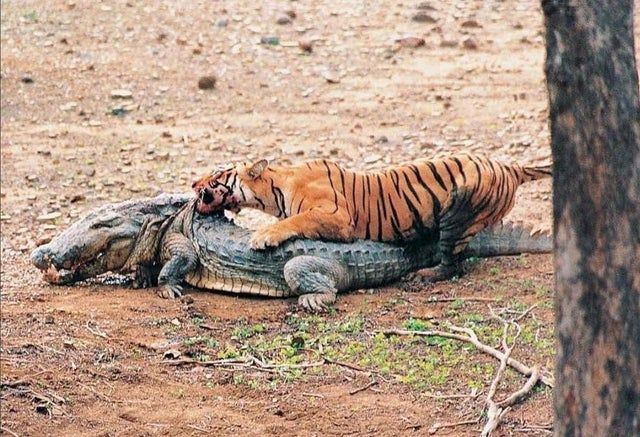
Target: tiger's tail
x,y
526,174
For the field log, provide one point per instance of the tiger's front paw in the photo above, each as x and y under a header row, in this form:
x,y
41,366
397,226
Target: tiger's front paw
x,y
267,237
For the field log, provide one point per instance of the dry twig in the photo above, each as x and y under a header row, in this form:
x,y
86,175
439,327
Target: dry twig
x,y
364,387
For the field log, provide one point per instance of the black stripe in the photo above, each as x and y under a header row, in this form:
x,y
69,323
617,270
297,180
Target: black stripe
x,y
434,199
436,175
410,185
277,194
464,177
395,221
453,180
379,222
381,197
356,213
335,193
368,233
300,205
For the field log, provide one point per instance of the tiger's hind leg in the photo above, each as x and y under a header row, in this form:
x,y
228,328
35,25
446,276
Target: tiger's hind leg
x,y
456,228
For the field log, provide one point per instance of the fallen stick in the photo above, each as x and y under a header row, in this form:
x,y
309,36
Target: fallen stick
x,y
436,426
471,337
363,388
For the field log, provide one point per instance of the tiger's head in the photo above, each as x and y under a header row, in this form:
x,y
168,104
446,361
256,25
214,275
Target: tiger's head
x,y
230,187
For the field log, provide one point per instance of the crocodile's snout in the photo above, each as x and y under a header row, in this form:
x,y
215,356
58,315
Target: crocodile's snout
x,y
41,257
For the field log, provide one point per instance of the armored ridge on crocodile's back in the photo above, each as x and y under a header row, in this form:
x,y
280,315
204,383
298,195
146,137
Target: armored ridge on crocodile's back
x,y
165,241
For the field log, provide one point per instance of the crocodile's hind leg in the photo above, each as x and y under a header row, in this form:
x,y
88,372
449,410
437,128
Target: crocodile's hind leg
x,y
182,259
317,280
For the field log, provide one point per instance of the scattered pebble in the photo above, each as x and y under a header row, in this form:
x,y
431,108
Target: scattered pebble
x,y
283,19
370,159
471,24
270,40
222,22
305,46
423,17
121,94
26,79
448,43
411,42
470,43
426,6
207,82
330,77
49,217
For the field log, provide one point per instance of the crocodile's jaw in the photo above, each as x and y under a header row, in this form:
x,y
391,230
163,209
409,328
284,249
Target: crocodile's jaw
x,y
63,267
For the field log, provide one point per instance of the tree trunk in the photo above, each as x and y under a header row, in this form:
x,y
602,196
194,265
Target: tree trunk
x,y
592,82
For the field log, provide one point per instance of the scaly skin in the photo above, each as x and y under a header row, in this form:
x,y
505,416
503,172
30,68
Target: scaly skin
x,y
165,241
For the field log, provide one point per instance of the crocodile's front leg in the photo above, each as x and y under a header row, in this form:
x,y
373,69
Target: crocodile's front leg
x,y
181,259
315,279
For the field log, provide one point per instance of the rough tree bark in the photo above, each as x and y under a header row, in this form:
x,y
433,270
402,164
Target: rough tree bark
x,y
592,82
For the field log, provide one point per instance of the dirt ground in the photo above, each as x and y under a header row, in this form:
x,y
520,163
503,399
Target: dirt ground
x,y
100,102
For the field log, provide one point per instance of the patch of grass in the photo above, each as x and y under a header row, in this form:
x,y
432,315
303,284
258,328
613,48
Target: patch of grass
x,y
197,320
30,16
245,331
494,271
416,325
351,325
201,340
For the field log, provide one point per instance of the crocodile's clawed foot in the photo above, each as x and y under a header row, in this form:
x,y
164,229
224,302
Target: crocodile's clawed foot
x,y
317,302
439,273
144,277
170,291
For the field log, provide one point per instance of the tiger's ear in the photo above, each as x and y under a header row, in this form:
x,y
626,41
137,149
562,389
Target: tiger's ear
x,y
256,169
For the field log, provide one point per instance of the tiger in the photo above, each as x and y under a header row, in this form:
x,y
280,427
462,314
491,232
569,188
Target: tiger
x,y
448,200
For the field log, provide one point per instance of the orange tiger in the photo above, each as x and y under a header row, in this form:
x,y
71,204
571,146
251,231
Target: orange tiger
x,y
448,200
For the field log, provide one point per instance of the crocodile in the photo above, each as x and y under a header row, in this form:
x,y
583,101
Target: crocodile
x,y
167,243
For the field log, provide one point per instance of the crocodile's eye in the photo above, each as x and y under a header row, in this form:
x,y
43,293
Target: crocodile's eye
x,y
107,222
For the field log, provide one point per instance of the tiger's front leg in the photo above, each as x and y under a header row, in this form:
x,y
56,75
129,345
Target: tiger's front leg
x,y
316,223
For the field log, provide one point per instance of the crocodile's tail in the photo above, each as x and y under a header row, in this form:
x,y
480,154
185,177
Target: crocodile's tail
x,y
510,239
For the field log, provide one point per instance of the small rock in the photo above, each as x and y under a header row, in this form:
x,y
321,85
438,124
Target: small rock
x,y
222,22
305,46
425,6
89,171
121,94
470,43
283,19
382,139
186,299
291,149
78,197
291,13
48,319
423,17
370,159
207,82
49,217
43,240
175,322
448,43
330,77
69,106
181,41
26,79
171,354
411,42
5,217
270,40
471,24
